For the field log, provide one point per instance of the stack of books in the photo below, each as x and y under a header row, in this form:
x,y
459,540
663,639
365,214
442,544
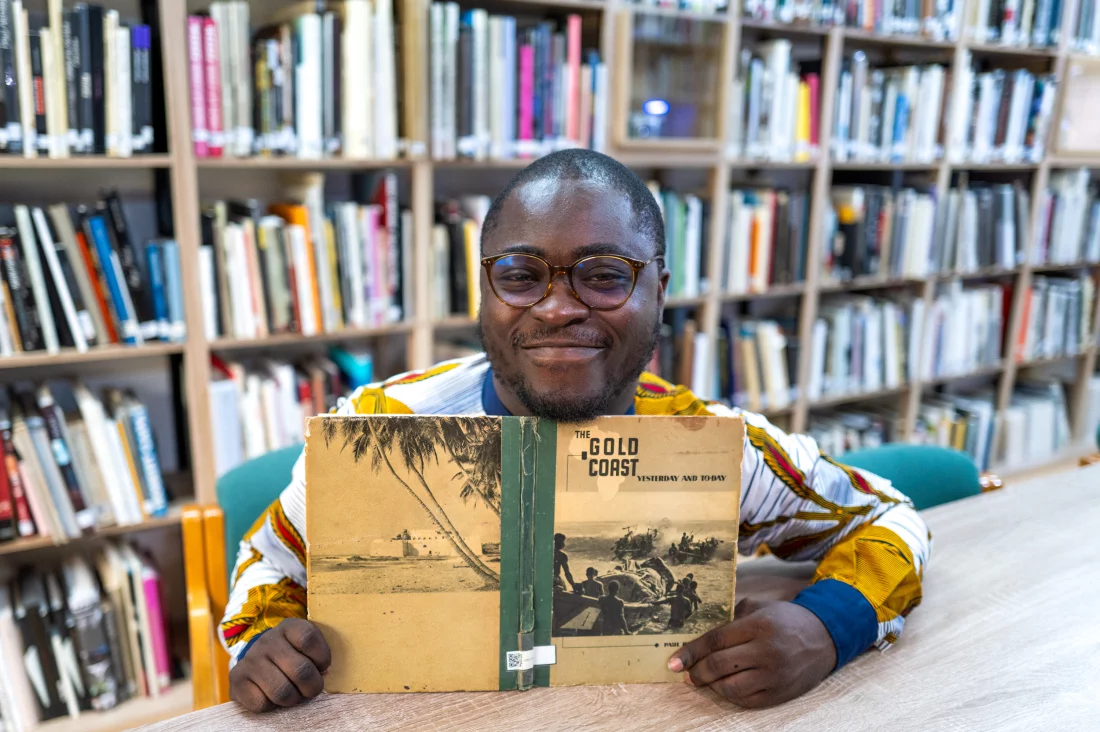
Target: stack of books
x,y
999,116
936,21
878,231
1069,221
306,266
757,362
687,223
889,114
963,330
775,107
75,82
767,232
455,268
840,432
863,344
74,463
982,227
1036,423
961,422
81,281
1057,317
263,405
1015,22
84,637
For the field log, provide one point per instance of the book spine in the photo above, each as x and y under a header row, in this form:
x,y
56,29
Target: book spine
x,y
36,281
12,129
128,259
525,133
154,258
22,297
25,521
141,74
160,675
8,528
98,88
130,333
51,416
71,40
38,86
209,73
85,115
156,502
60,283
173,286
123,86
573,85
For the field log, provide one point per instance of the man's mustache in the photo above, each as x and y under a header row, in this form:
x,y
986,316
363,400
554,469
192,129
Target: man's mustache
x,y
580,336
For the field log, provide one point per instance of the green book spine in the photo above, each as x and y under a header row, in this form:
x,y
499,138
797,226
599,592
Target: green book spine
x,y
546,438
511,440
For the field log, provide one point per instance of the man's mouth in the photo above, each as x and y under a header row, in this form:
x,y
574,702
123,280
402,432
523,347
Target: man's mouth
x,y
560,352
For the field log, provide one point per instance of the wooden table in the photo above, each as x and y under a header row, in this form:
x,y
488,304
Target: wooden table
x,y
1008,638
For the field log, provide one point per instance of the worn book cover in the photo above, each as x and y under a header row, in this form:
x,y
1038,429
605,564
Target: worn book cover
x,y
485,553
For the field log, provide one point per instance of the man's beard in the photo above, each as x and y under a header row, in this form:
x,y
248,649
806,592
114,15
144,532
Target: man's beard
x,y
568,408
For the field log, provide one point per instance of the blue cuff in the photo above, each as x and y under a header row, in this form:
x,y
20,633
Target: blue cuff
x,y
249,644
846,614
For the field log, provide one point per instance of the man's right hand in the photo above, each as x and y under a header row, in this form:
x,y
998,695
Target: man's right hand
x,y
282,667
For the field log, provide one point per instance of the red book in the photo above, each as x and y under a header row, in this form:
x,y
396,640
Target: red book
x,y
7,512
14,480
573,79
526,129
814,82
200,136
213,88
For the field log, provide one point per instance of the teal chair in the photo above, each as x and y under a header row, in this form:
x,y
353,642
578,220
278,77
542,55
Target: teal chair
x,y
928,474
247,490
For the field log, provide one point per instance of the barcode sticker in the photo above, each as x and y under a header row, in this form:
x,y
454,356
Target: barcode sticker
x,y
520,660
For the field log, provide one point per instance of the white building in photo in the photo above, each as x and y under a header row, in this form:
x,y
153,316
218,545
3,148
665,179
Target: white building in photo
x,y
421,544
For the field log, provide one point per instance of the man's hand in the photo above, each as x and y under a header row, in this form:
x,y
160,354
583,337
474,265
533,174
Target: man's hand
x,y
770,653
282,667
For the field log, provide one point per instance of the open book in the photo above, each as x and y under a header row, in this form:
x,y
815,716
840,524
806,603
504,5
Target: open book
x,y
484,553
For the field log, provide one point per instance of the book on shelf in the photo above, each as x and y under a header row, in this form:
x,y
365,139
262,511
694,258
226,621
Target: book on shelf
x,y
705,7
463,555
76,278
682,353
999,115
840,432
1035,423
1056,319
83,637
938,21
1086,33
687,233
775,104
1068,230
1015,23
863,344
74,462
889,114
455,264
76,81
962,422
767,233
306,266
756,362
982,227
963,329
1092,409
876,231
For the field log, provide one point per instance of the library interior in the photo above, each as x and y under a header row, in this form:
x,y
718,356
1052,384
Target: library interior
x,y
222,218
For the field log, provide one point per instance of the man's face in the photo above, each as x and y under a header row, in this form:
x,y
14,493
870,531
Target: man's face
x,y
560,359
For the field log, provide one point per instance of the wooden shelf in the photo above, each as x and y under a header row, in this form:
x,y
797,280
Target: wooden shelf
x,y
1043,268
133,713
784,29
994,49
862,37
98,354
869,282
454,322
756,164
684,302
977,274
995,167
1045,360
487,164
18,546
674,12
91,162
976,373
580,4
833,400
287,163
877,166
797,288
290,339
1069,161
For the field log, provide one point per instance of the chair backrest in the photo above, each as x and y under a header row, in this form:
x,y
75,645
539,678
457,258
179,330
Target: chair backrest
x,y
928,474
246,491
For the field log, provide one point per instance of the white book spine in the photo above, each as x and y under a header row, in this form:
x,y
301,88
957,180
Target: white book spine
x,y
220,12
53,265
436,100
385,67
37,278
26,91
308,82
481,82
125,127
693,245
599,119
209,289
242,33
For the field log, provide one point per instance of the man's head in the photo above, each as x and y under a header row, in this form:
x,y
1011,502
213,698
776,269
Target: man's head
x,y
680,590
559,541
562,358
690,576
591,573
613,588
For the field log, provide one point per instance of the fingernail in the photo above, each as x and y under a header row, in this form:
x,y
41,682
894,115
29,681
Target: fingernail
x,y
675,664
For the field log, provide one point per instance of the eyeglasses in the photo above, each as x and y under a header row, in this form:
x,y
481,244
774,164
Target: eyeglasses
x,y
601,282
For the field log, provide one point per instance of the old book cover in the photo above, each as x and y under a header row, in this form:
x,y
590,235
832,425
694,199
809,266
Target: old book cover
x,y
486,553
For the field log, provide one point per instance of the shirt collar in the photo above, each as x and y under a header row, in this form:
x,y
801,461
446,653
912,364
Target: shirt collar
x,y
492,405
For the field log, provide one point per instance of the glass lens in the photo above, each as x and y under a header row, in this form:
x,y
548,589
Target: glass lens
x,y
519,279
603,282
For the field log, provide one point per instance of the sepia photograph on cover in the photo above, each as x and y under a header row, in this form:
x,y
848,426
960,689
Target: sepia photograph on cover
x,y
438,529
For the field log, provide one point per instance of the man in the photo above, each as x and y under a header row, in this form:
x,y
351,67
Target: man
x,y
613,612
573,289
591,587
679,609
561,565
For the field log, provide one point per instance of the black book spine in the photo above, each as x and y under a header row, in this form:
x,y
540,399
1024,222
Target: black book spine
x,y
143,88
337,83
39,91
128,260
85,115
22,298
868,262
95,46
81,307
51,415
464,88
72,78
31,615
534,40
12,127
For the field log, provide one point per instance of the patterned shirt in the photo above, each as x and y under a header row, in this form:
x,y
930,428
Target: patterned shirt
x,y
870,543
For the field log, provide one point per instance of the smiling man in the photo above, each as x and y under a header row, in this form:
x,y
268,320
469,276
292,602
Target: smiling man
x,y
573,286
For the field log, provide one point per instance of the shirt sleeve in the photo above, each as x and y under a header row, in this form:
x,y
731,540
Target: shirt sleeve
x,y
866,535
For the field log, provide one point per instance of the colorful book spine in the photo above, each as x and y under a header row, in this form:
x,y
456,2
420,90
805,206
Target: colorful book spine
x,y
173,285
573,87
154,255
212,91
200,136
112,274
161,674
156,503
526,98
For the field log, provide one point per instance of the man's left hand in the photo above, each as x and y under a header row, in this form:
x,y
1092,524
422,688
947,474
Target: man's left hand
x,y
770,653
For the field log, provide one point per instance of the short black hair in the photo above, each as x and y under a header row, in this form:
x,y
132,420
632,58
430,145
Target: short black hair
x,y
579,164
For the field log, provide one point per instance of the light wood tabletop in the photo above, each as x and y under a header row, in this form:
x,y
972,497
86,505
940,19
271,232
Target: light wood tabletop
x,y
1006,639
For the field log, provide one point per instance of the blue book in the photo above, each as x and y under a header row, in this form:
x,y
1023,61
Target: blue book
x,y
173,285
901,124
112,273
156,502
155,258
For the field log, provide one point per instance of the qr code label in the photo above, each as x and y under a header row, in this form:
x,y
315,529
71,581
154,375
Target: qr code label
x,y
519,660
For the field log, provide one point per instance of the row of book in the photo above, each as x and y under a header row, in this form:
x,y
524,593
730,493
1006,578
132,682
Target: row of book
x,y
1086,35
937,21
963,422
1057,317
74,463
774,113
766,239
1015,22
305,266
687,222
756,364
963,329
878,231
888,114
263,406
75,81
83,636
1035,423
455,267
1069,221
982,227
80,281
703,7
999,116
841,431
862,344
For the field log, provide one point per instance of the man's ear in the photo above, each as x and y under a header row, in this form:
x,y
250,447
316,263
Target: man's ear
x,y
662,288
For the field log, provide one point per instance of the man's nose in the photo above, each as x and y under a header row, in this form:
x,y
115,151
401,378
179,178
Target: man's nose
x,y
561,305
